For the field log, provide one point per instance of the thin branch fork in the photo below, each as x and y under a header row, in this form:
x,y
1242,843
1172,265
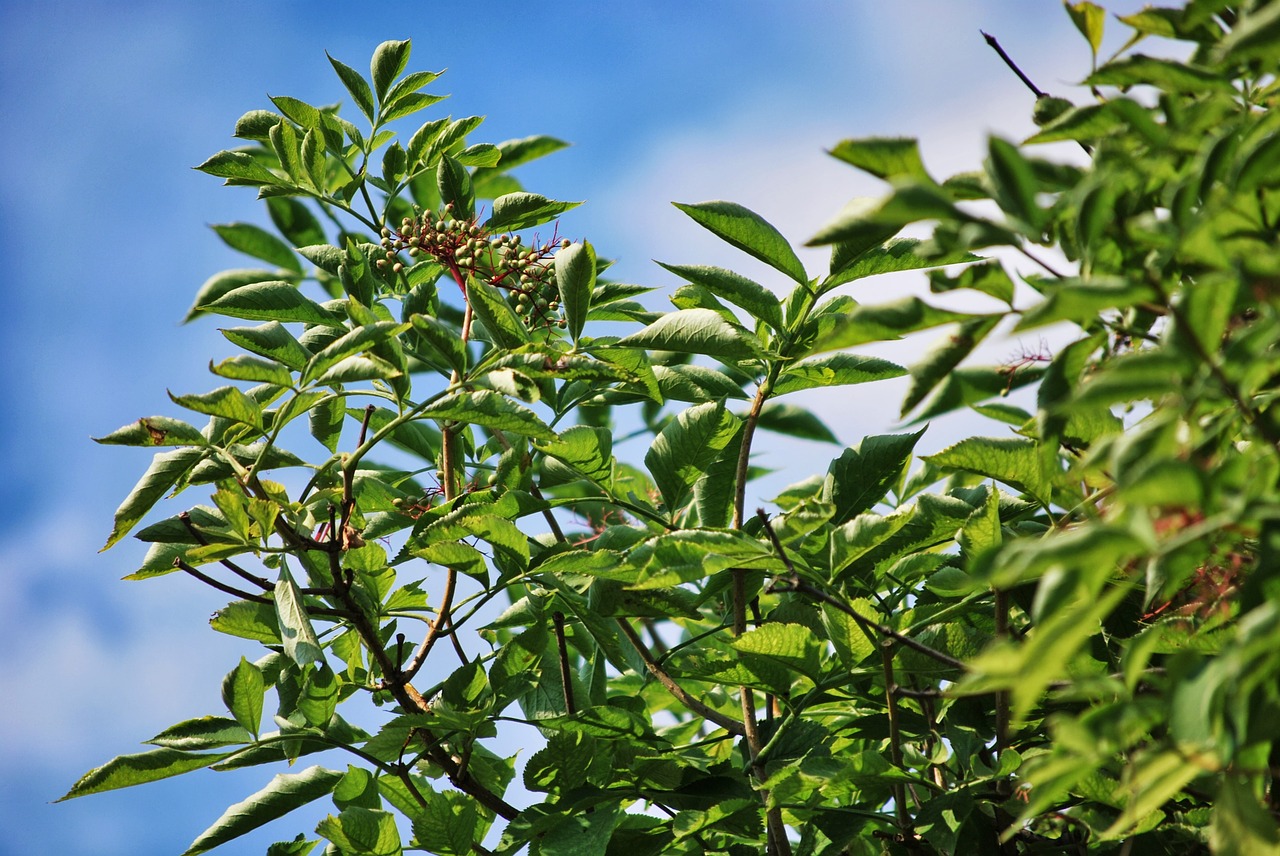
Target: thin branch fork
x,y
793,582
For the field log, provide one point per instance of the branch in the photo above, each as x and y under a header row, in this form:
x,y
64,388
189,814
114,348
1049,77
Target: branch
x,y
1013,66
793,583
728,723
260,582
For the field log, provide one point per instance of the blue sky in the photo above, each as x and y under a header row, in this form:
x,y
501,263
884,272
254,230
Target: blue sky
x,y
107,106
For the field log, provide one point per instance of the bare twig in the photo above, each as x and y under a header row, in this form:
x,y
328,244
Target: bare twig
x,y
1013,66
710,714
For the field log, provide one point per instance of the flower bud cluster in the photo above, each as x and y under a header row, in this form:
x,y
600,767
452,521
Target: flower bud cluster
x,y
463,247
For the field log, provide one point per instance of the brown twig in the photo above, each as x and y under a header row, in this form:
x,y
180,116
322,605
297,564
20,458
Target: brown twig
x,y
260,582
710,714
1013,66
895,739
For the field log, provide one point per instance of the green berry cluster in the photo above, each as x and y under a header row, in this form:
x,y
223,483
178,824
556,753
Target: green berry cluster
x,y
463,247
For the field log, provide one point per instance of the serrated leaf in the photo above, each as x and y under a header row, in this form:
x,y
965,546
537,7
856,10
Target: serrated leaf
x,y
681,453
154,431
883,157
259,243
1013,460
271,301
895,255
697,331
1014,183
445,340
910,202
454,184
749,232
227,402
296,632
248,619
238,167
221,283
492,410
834,370
793,645
362,832
757,300
356,85
696,383
883,323
325,419
207,732
988,277
862,475
1089,19
1164,74
359,340
243,690
254,370
388,62
491,309
943,358
270,340
515,211
165,470
128,770
295,221
576,279
286,792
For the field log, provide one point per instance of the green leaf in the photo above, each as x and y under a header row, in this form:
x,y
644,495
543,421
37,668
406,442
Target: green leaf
x,y
834,370
286,792
295,221
388,62
165,470
884,157
1163,74
1241,825
748,294
319,698
988,277
273,341
1013,460
299,637
696,383
896,255
238,168
492,410
128,770
248,619
207,732
883,323
225,401
243,690
588,450
1089,19
357,341
271,301
454,183
259,243
1080,302
909,202
576,279
942,360
686,447
863,474
696,331
363,832
444,339
1255,36
749,232
154,431
356,85
503,327
325,419
515,211
793,645
252,369
221,283
1015,184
